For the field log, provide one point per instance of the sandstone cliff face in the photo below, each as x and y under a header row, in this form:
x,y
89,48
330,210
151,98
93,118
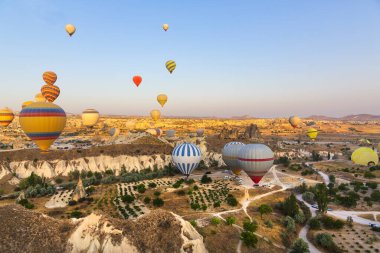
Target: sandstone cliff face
x,y
51,169
159,231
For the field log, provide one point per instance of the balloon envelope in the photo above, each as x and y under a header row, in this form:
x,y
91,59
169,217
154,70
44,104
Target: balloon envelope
x,y
312,133
49,77
256,160
170,65
137,80
90,117
40,98
162,99
165,27
43,122
186,157
365,156
294,121
170,133
200,132
70,29
50,92
114,132
230,153
155,114
6,117
26,103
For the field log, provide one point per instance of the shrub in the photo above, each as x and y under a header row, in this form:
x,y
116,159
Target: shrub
x,y
268,223
195,206
249,239
299,246
158,202
368,174
25,203
325,240
230,220
196,187
284,160
308,197
127,198
147,200
206,179
315,223
299,218
141,188
216,204
152,185
32,180
193,223
231,200
250,226
76,214
375,196
265,209
289,224
58,180
330,223
372,185
157,193
215,221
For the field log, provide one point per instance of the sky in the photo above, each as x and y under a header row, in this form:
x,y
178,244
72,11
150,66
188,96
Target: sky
x,y
266,58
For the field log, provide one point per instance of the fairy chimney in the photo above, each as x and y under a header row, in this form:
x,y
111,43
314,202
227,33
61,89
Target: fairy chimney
x,y
79,191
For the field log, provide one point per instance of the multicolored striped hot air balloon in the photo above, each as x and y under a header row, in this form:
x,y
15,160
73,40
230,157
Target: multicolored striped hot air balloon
x,y
256,160
43,122
186,157
155,114
6,117
162,99
90,117
50,92
230,153
171,65
312,133
49,77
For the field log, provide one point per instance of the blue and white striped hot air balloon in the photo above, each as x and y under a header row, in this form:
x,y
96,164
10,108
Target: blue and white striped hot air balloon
x,y
186,157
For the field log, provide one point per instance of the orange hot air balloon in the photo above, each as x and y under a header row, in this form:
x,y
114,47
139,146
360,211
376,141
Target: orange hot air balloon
x,y
6,117
50,92
49,77
137,80
26,103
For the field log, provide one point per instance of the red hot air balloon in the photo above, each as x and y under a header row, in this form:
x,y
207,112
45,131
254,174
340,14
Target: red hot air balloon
x,y
137,80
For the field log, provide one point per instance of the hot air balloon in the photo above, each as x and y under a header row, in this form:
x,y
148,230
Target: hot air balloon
x,y
255,160
49,77
90,117
200,132
230,153
186,157
40,98
137,80
171,65
70,29
294,121
170,133
162,99
43,122
165,27
365,156
50,92
26,103
155,114
6,116
312,133
114,132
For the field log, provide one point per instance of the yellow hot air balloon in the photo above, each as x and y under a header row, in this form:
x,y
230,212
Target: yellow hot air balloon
x,y
6,117
43,122
26,103
165,27
90,117
155,114
365,156
40,98
294,121
162,99
171,65
312,133
70,29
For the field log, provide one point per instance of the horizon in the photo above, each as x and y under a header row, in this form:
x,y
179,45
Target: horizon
x,y
262,59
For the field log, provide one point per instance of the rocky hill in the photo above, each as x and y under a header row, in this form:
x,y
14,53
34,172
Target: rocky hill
x,y
159,231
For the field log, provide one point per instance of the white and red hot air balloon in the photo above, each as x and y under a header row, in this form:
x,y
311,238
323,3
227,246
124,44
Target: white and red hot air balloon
x,y
256,160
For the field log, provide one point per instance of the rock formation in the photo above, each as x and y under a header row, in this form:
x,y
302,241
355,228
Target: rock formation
x,y
79,191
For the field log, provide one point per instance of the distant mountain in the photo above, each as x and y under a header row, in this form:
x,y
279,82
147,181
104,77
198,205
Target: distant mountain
x,y
354,117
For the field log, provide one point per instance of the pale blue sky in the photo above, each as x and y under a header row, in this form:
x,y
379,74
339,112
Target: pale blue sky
x,y
265,58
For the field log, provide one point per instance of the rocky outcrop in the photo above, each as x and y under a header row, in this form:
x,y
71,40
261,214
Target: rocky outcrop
x,y
159,231
249,133
79,191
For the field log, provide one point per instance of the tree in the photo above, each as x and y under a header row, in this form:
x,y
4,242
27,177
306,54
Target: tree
x,y
147,200
349,221
127,198
289,224
375,196
250,226
158,202
321,197
230,220
290,206
141,188
157,193
32,180
152,185
215,221
315,223
248,238
300,246
205,179
308,197
265,209
332,178
231,200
